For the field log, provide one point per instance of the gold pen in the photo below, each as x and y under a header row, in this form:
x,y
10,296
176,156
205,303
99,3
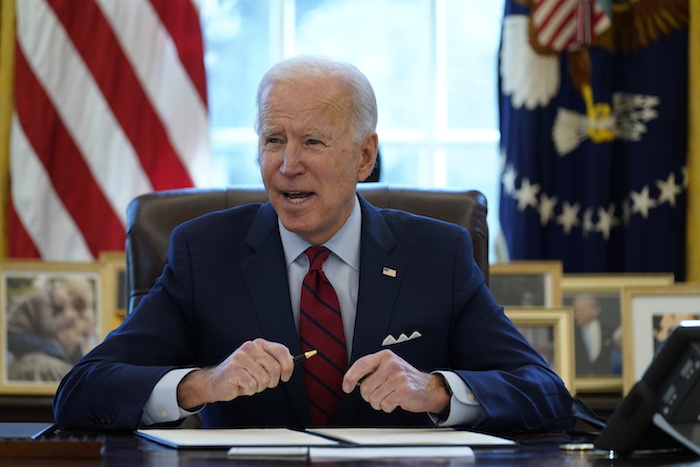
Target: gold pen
x,y
304,356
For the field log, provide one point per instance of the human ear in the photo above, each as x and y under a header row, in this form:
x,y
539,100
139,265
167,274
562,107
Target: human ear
x,y
370,146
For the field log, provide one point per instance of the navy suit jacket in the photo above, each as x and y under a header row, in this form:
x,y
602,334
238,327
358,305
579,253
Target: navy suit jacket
x,y
226,283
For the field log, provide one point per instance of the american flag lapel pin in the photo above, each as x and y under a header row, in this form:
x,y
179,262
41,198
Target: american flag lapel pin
x,y
388,271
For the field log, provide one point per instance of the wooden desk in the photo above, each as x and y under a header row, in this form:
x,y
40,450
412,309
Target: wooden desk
x,y
26,409
124,449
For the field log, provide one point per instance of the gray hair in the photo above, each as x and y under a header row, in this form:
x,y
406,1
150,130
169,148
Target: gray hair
x,y
306,68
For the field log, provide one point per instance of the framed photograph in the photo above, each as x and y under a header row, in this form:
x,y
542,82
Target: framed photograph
x,y
596,303
550,332
52,314
526,283
648,315
114,285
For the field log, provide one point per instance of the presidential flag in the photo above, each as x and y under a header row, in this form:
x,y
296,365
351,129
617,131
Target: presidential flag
x,y
593,112
110,103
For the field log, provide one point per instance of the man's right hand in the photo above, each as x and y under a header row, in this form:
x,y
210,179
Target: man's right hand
x,y
253,367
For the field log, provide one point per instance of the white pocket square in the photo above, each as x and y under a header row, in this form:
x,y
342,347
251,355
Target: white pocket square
x,y
391,340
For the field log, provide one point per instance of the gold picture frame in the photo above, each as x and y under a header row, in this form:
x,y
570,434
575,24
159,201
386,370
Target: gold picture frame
x,y
648,314
114,263
550,332
52,314
526,283
604,292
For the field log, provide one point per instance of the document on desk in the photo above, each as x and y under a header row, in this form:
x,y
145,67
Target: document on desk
x,y
228,437
327,454
329,443
380,443
411,437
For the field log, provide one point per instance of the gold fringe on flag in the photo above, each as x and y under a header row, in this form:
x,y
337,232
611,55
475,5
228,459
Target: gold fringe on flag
x,y
7,48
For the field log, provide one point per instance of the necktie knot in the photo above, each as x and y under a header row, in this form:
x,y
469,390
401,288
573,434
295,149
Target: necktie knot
x,y
317,256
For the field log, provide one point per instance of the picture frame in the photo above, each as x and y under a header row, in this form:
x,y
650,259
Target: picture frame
x,y
52,313
648,314
526,283
114,263
602,373
550,332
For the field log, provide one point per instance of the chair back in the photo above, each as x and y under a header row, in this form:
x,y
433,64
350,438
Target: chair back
x,y
152,217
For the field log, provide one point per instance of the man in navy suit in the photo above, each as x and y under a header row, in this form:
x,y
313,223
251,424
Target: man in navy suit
x,y
426,342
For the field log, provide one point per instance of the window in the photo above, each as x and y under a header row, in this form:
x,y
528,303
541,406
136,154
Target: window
x,y
433,65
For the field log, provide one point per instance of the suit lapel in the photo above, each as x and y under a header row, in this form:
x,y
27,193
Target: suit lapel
x,y
375,304
380,280
266,277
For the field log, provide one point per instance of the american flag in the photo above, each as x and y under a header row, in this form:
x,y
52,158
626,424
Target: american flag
x,y
110,103
568,24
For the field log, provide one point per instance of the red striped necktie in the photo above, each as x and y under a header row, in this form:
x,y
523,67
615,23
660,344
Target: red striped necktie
x,y
321,328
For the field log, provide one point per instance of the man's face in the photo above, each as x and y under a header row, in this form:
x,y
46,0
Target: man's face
x,y
585,310
310,164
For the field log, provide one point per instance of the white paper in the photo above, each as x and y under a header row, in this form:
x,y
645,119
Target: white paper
x,y
412,437
229,437
320,453
378,452
269,452
269,443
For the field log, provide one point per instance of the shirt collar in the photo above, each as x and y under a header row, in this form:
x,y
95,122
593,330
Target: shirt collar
x,y
345,243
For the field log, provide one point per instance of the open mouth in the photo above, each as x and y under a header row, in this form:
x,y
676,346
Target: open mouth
x,y
296,197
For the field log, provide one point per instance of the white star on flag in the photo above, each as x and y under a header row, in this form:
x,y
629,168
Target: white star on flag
x,y
508,179
546,208
527,194
606,220
641,202
669,190
568,219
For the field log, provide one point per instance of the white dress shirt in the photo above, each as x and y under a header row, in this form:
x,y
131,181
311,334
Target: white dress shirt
x,y
343,271
592,334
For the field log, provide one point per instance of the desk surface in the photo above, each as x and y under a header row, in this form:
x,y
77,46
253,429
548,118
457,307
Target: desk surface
x,y
122,449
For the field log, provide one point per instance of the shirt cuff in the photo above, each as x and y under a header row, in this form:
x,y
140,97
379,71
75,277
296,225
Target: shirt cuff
x,y
161,406
464,408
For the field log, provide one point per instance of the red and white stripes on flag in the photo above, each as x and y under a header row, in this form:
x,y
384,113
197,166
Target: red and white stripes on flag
x,y
568,24
110,103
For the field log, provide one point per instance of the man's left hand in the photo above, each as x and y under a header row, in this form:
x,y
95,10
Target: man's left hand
x,y
387,381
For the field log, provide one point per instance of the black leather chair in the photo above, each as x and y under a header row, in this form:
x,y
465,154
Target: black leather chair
x,y
152,217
